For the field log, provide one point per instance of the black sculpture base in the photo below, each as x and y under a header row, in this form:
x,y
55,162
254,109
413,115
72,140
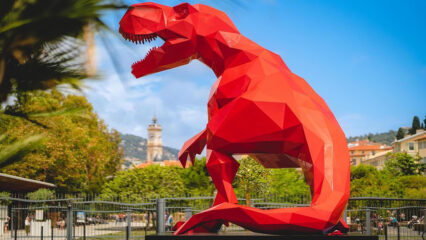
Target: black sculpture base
x,y
255,236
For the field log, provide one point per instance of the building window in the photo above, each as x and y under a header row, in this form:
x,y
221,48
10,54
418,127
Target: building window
x,y
422,144
411,146
353,162
373,153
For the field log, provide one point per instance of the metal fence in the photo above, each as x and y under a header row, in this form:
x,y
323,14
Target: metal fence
x,y
93,217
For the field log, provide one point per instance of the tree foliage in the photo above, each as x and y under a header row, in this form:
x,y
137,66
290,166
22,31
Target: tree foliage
x,y
415,125
289,184
41,194
386,137
40,42
368,181
78,151
400,134
402,164
424,123
196,179
143,183
251,178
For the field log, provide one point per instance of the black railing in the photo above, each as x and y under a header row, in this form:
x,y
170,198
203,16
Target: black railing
x,y
94,217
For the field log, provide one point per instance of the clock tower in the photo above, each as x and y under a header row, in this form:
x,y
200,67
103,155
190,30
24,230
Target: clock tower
x,y
154,146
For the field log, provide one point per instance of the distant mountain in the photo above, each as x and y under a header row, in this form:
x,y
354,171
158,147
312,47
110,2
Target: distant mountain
x,y
387,137
135,150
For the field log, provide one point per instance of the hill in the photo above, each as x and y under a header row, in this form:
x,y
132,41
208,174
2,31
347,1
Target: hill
x,y
135,150
386,137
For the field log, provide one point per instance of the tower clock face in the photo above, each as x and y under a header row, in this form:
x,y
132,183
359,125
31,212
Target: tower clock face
x,y
151,136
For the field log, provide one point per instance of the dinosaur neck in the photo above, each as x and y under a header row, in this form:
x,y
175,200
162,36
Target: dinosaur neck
x,y
214,62
219,54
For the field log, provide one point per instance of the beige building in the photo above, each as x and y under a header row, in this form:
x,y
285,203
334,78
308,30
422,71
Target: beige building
x,y
412,144
366,152
154,147
377,160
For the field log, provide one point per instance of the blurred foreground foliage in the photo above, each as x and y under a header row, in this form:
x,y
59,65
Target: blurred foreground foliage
x,y
44,43
76,152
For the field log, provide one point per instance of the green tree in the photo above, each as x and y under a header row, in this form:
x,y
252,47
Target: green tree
x,y
415,125
78,151
424,123
400,134
289,184
402,164
139,184
414,186
197,180
40,42
41,46
41,194
368,181
251,178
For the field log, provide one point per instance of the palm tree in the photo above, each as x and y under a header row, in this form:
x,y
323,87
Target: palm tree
x,y
42,44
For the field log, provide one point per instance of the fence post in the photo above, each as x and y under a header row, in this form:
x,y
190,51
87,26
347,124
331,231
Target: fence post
x,y
345,216
51,232
69,221
188,213
368,221
129,222
41,233
398,230
424,224
161,207
16,226
386,230
84,229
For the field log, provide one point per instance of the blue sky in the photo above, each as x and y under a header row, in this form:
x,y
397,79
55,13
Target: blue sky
x,y
367,59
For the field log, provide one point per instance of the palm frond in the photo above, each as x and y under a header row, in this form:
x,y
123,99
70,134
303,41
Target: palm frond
x,y
14,152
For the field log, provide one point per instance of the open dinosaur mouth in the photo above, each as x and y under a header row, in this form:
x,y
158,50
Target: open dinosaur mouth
x,y
141,39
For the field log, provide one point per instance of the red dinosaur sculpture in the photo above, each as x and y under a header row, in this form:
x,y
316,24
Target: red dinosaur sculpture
x,y
258,107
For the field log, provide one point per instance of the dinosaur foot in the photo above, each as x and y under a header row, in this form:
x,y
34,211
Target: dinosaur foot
x,y
204,222
207,227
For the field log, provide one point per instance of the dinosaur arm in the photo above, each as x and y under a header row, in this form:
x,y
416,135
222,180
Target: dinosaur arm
x,y
193,146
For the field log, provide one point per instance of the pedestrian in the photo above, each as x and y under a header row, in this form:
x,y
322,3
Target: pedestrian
x,y
169,222
402,217
27,225
58,223
6,224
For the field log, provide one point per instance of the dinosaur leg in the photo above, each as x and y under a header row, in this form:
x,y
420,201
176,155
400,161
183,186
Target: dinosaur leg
x,y
222,169
330,187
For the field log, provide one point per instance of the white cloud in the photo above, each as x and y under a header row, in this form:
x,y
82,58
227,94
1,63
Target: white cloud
x,y
177,97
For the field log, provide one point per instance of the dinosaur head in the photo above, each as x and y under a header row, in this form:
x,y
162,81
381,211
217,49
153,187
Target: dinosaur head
x,y
145,22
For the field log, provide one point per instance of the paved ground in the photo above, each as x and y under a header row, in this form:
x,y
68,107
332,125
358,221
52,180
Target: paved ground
x,y
91,231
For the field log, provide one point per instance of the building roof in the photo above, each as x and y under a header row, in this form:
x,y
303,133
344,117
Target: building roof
x,y
417,136
165,163
371,147
12,183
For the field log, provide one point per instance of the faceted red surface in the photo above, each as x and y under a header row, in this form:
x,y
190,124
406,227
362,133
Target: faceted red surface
x,y
257,107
